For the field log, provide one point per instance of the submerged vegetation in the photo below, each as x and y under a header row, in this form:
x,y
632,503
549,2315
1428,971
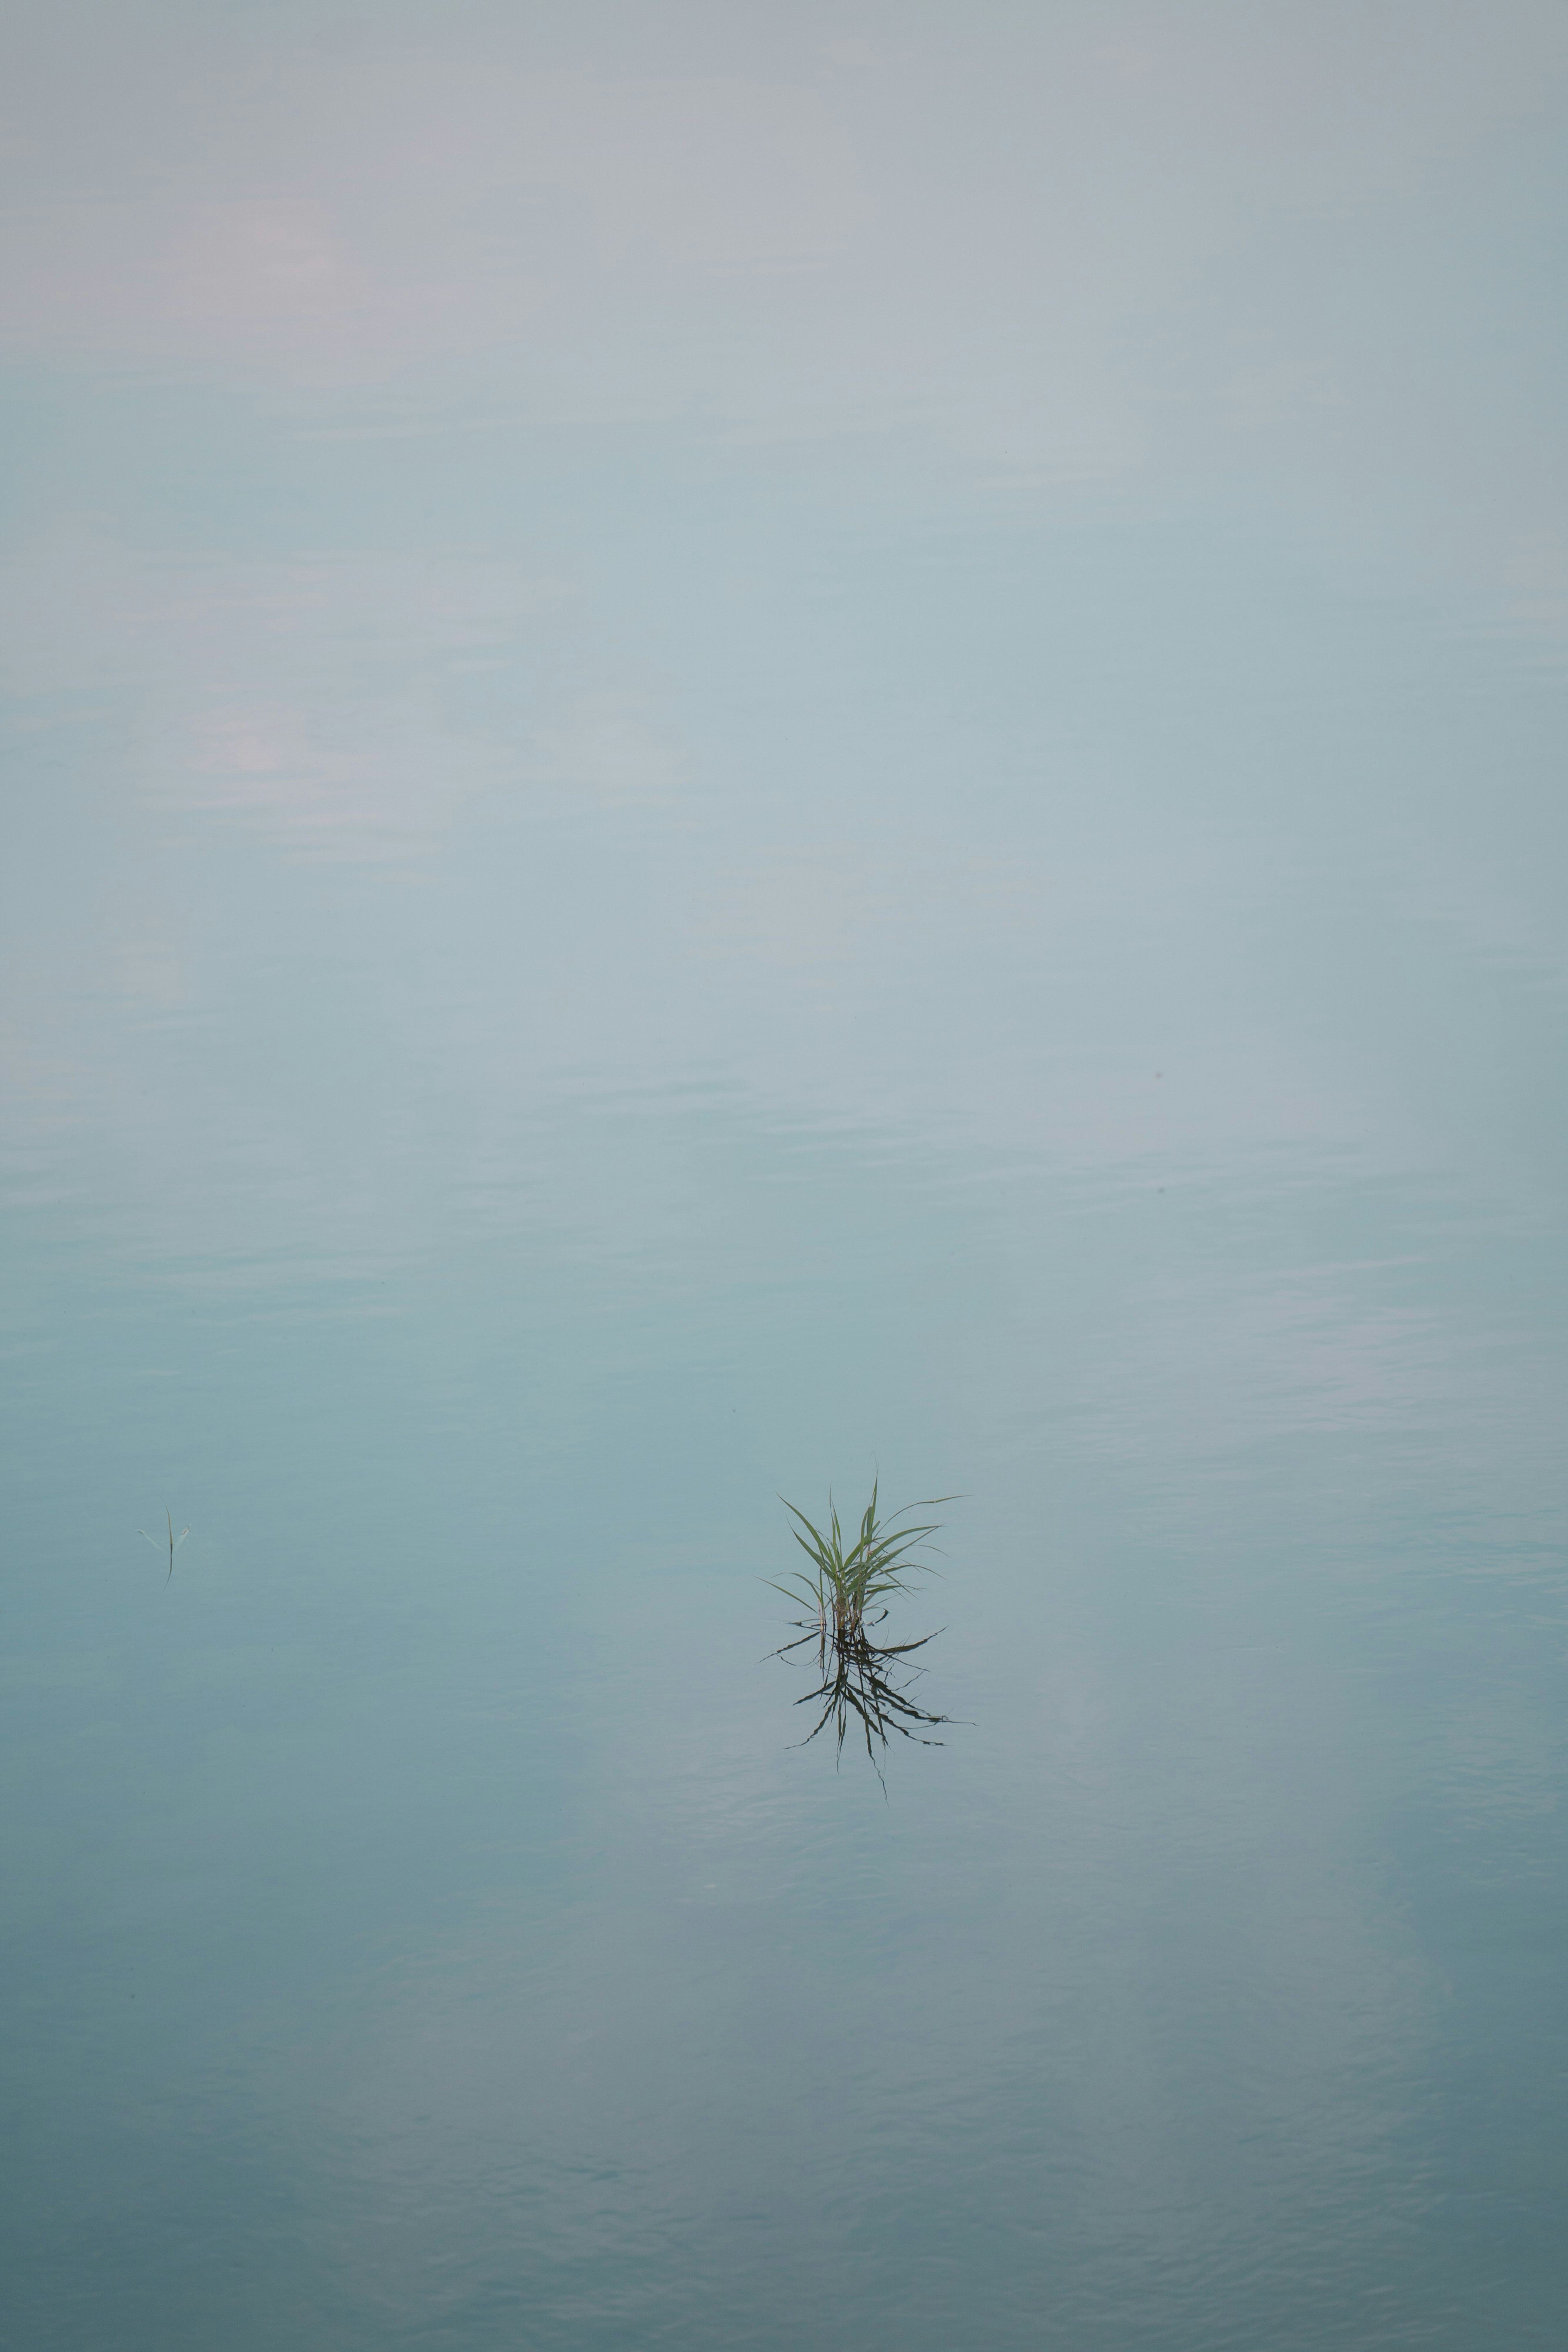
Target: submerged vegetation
x,y
846,1591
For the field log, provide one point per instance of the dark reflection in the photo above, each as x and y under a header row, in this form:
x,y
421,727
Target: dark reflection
x,y
864,1682
860,1681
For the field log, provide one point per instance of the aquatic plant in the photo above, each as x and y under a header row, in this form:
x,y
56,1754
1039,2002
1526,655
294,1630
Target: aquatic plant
x,y
174,1541
863,1681
842,1584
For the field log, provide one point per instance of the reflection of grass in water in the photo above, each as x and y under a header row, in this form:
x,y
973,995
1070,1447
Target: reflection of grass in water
x,y
846,1591
858,1685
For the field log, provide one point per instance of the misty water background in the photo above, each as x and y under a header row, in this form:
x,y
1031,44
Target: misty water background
x,y
742,746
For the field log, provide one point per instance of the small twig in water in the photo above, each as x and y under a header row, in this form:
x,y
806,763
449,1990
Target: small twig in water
x,y
174,1541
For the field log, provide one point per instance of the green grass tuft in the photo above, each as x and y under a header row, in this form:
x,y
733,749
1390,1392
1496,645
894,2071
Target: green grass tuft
x,y
846,1592
844,1586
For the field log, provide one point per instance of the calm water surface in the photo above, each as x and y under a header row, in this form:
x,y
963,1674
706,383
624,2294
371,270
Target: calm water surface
x,y
736,754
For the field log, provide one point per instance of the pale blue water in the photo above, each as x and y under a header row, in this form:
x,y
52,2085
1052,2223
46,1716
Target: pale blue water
x,y
900,845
